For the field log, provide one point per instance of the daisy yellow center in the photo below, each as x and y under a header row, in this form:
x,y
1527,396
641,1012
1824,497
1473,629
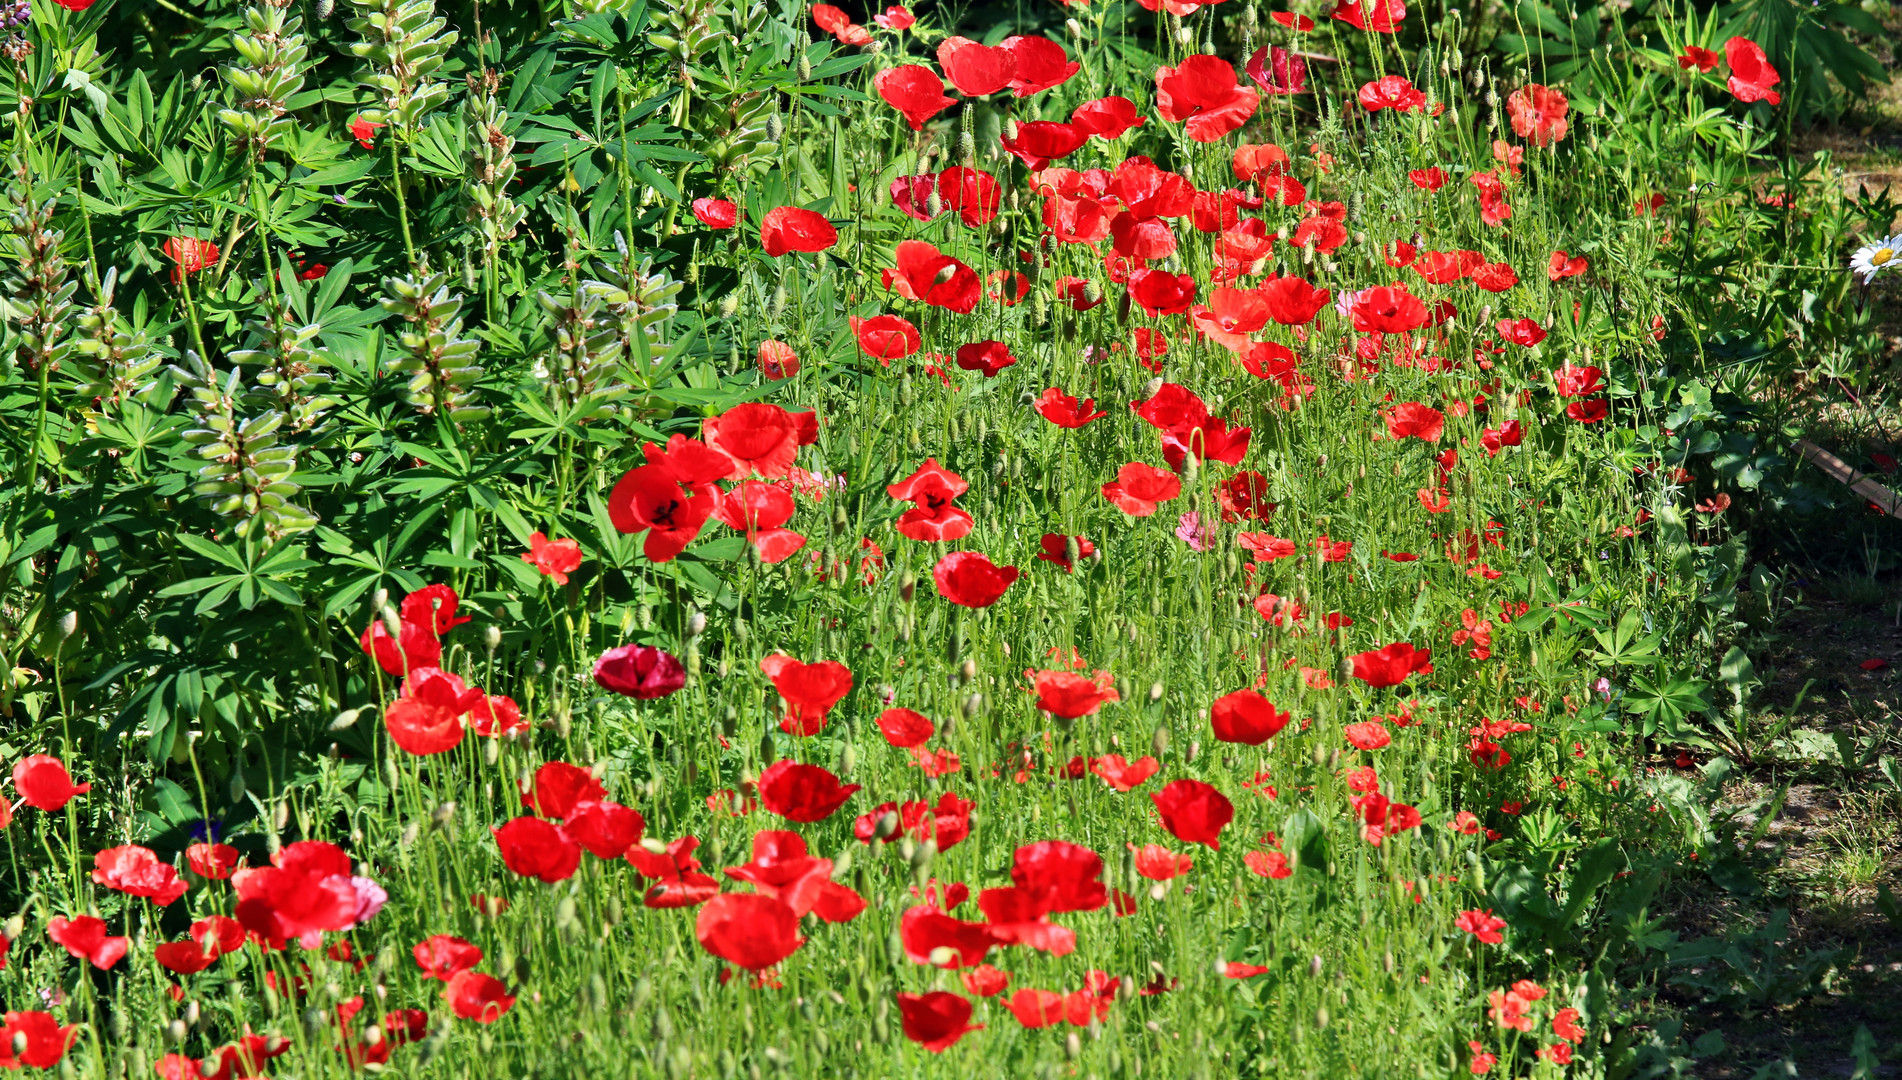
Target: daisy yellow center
x,y
1881,257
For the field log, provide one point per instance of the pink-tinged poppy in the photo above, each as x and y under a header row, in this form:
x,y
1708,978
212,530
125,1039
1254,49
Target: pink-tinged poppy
x,y
1391,665
1751,75
904,728
557,786
535,848
802,793
1203,91
1269,864
1395,92
792,228
810,690
34,1038
136,871
1194,812
474,996
1065,411
1412,420
213,861
1538,114
886,337
554,558
1124,775
1036,1008
1056,549
929,276
427,717
969,579
190,255
1246,717
44,783
935,1020
1702,59
1106,117
443,956
1376,16
896,17
1158,863
639,671
1070,696
1139,488
914,90
1037,64
716,213
86,939
748,930
974,69
1483,925
1278,71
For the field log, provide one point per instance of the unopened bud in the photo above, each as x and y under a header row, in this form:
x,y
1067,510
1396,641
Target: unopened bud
x,y
68,625
492,637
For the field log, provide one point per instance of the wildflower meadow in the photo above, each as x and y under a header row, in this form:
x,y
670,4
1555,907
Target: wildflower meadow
x,y
711,538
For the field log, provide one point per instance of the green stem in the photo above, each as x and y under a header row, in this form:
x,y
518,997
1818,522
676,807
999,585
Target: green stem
x,y
402,205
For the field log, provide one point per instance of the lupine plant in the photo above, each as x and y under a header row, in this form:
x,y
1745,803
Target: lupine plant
x,y
707,539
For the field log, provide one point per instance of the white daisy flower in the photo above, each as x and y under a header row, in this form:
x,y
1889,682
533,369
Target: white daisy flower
x,y
1877,257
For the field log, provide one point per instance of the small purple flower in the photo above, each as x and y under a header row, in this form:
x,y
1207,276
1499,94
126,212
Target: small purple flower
x,y
1603,687
639,671
370,899
1191,530
1345,300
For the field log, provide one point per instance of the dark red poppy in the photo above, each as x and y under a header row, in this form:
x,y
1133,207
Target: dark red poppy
x,y
904,728
86,939
1278,71
534,848
914,90
639,671
1056,549
989,357
1139,488
1106,117
969,579
748,930
474,996
716,213
1414,420
442,956
810,690
1039,142
1065,411
1391,665
136,871
802,793
1194,812
1246,717
886,337
1203,91
935,1020
912,195
1069,696
792,228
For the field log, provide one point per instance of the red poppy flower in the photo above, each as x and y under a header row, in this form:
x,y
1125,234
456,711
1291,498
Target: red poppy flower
x,y
914,90
554,558
1428,179
989,357
1070,696
886,337
1106,117
86,939
969,579
184,957
675,874
1699,58
1388,309
1391,665
1751,75
35,1039
1037,64
1056,549
607,829
792,228
976,70
923,930
973,193
802,793
904,728
557,786
427,717
1395,92
1414,420
1268,864
136,871
1445,267
1576,380
1538,114
1368,735
1159,292
1246,717
312,272
1259,161
1139,488
44,783
1158,863
716,213
651,499
927,275
534,848
1056,876
1065,411
213,861
1278,71
442,956
1039,142
1495,277
190,254
748,930
474,996
985,980
810,690
895,17
1588,412
416,646
785,870
1562,266
1209,439
1194,812
1121,774
1300,24
306,891
639,671
1384,17
935,1020
1523,332
1203,91
1483,925
1036,1008
934,516
1291,301
757,438
759,509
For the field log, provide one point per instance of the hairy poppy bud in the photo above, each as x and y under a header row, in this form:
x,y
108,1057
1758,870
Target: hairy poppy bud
x,y
343,721
907,586
380,599
1073,28
907,848
68,625
1159,745
972,705
775,127
392,623
1155,692
887,825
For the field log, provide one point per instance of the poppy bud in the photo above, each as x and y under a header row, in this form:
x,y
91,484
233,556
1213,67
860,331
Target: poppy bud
x,y
1314,967
1072,1046
491,752
392,623
907,848
907,585
315,1020
1195,750
925,853
886,826
894,951
848,760
973,705
380,599
68,623
442,815
1159,745
176,1031
1073,28
344,720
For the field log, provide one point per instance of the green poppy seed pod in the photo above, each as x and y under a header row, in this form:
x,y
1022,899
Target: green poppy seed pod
x,y
967,143
408,836
779,301
805,67
1195,750
1185,36
766,748
1320,1017
342,722
696,624
1092,292
14,927
1129,865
